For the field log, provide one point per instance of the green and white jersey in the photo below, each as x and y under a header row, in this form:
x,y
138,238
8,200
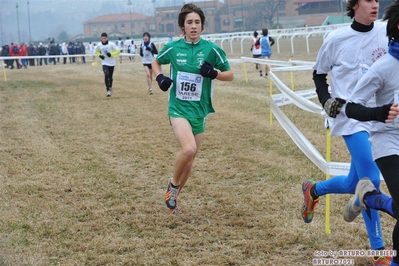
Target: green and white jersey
x,y
191,94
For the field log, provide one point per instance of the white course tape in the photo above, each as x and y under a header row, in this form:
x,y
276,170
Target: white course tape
x,y
301,100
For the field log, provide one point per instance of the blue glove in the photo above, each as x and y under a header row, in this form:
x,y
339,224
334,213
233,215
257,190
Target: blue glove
x,y
208,71
109,54
102,57
148,48
164,82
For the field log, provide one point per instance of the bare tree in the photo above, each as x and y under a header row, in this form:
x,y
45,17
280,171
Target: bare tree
x,y
267,10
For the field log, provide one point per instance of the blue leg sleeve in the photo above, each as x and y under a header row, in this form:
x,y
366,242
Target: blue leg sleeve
x,y
373,226
380,202
362,165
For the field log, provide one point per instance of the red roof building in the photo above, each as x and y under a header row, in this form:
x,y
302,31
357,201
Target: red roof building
x,y
116,25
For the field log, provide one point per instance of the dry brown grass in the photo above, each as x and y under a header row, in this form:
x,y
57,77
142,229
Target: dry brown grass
x,y
83,176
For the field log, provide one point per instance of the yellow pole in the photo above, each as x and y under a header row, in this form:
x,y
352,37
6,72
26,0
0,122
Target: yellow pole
x,y
4,71
245,72
271,94
328,202
292,80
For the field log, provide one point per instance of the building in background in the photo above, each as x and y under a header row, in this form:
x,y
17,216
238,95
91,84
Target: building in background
x,y
223,16
116,25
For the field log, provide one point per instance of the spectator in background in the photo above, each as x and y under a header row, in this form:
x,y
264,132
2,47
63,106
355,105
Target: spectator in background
x,y
83,48
42,52
71,51
78,50
31,52
64,51
14,51
23,52
59,51
53,50
5,51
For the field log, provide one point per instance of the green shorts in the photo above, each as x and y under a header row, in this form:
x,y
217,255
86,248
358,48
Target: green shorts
x,y
197,124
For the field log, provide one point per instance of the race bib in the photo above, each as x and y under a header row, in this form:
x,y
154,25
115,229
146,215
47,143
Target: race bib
x,y
189,86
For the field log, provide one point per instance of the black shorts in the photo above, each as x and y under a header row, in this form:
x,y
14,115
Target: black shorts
x,y
148,65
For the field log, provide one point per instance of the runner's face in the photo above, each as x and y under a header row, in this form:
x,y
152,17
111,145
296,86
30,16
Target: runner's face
x,y
366,11
192,27
146,38
104,39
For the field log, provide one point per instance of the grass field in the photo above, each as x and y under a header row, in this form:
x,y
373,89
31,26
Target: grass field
x,y
83,177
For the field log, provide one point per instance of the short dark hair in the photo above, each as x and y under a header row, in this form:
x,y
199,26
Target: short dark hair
x,y
265,32
187,9
349,8
392,15
147,34
255,34
104,34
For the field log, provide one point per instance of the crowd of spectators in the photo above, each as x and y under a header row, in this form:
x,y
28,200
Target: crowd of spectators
x,y
41,53
45,51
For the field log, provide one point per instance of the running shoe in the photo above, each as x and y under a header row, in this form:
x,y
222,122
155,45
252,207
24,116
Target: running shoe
x,y
108,93
308,203
176,211
150,91
356,205
171,196
382,261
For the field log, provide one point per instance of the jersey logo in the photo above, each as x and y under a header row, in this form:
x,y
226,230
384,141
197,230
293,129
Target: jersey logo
x,y
200,62
181,62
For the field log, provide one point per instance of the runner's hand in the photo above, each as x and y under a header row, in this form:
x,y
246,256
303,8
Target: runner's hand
x,y
208,71
333,106
164,82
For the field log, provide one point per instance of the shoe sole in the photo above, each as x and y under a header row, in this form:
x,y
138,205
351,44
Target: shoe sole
x,y
176,211
171,205
350,210
305,206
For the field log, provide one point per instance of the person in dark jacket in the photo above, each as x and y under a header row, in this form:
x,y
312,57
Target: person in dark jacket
x,y
31,52
53,50
42,52
71,51
5,51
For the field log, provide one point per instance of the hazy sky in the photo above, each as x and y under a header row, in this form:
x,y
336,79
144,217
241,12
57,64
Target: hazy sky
x,y
38,20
